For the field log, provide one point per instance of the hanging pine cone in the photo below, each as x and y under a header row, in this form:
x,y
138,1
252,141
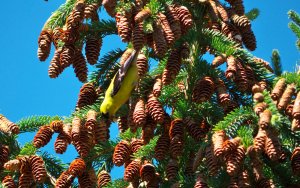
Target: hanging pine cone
x,y
278,89
25,179
203,90
177,128
162,147
231,69
79,65
174,21
222,12
138,36
55,67
249,39
235,160
43,136
256,89
142,15
194,129
90,11
242,22
244,179
124,26
223,96
12,165
148,130
147,172
57,126
142,64
103,179
200,183
8,182
91,123
259,140
122,124
4,155
85,180
218,139
241,78
8,127
286,97
295,161
76,128
176,146
218,60
84,144
92,49
155,109
260,107
172,68
295,125
265,183
87,95
77,167
185,18
66,56
296,107
136,144
172,170
289,110
38,169
211,161
198,158
265,119
166,28
44,42
157,87
132,171
121,153
273,146
61,143
139,115
65,180
258,97
159,42
231,145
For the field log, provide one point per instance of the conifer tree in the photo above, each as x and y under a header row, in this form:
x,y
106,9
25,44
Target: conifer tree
x,y
188,123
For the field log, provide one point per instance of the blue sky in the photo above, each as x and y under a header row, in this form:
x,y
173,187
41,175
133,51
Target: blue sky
x,y
27,90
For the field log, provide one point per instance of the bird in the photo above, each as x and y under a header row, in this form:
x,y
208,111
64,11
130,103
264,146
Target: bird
x,y
121,86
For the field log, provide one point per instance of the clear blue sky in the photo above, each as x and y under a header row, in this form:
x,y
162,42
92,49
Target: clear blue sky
x,y
27,90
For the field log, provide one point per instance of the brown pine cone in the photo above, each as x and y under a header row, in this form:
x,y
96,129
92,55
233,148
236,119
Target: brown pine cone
x,y
142,64
77,167
148,130
65,180
223,96
102,131
260,107
110,6
157,87
218,139
4,155
8,182
142,15
92,49
91,123
295,124
136,144
296,107
241,78
121,153
155,109
242,22
84,143
258,97
167,29
77,14
76,128
132,171
176,146
8,127
265,183
139,115
87,95
256,89
249,39
174,21
38,169
61,143
26,178
172,170
159,42
244,179
90,11
211,161
278,89
124,26
235,160
79,65
286,97
127,53
218,60
198,158
43,136
222,12
138,36
194,129
231,68
12,165
66,56
203,90
273,146
200,183
103,179
44,43
185,18
147,172
55,67
85,180
231,145
259,140
122,124
177,128
295,161
57,126
162,147
289,110
173,67
265,119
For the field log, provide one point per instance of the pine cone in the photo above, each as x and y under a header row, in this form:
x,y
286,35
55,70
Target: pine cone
x,y
218,60
258,97
132,171
8,182
91,123
142,15
90,11
249,40
148,130
185,18
289,110
200,183
136,144
159,42
260,107
286,97
256,89
43,136
76,128
295,125
222,12
77,167
155,109
157,87
38,169
7,126
194,129
87,95
138,36
122,153
122,124
79,65
84,143
177,128
44,43
103,179
124,26
241,78
295,161
139,115
142,64
25,179
223,96
235,160
242,22
231,68
172,170
55,67
92,49
259,140
57,126
203,90
273,146
166,28
176,146
4,154
172,68
211,161
198,158
265,119
174,21
218,139
66,56
65,180
265,183
61,143
147,172
85,180
12,165
244,179
231,145
296,108
162,147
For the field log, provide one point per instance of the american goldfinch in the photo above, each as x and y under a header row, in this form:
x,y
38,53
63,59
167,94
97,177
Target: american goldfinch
x,y
121,86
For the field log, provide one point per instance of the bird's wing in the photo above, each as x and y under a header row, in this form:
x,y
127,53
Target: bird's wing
x,y
120,75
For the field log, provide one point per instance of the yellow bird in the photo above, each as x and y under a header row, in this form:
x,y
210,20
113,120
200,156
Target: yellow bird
x,y
121,86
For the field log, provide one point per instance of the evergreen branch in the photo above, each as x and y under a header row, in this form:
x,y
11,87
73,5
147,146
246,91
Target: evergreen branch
x,y
128,134
146,151
295,28
276,63
53,164
293,15
28,149
33,123
291,77
253,14
246,133
118,183
104,27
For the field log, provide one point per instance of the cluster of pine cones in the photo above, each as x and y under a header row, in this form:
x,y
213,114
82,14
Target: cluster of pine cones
x,y
68,42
